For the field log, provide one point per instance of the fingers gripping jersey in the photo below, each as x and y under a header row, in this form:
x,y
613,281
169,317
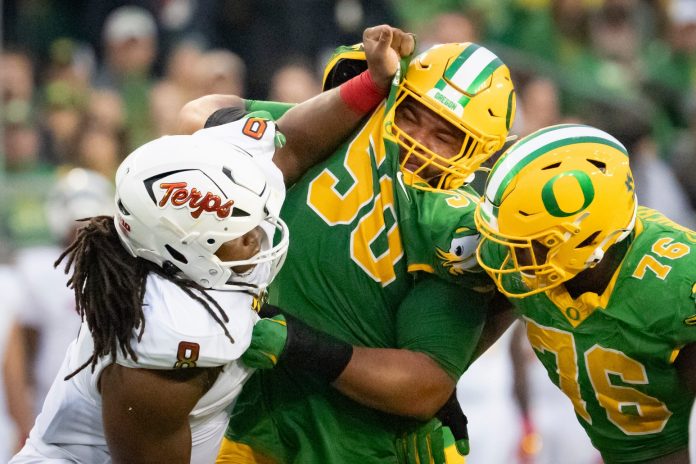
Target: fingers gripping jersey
x,y
179,333
613,354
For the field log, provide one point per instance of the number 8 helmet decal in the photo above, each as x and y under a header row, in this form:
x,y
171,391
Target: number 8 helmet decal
x,y
179,198
553,204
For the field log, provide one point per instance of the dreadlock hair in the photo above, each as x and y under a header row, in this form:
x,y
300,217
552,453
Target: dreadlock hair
x,y
109,286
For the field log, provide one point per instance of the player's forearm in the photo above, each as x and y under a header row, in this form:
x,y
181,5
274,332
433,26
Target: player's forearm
x,y
313,130
316,127
396,381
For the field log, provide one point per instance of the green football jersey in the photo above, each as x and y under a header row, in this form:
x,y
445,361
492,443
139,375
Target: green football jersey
x,y
613,354
377,264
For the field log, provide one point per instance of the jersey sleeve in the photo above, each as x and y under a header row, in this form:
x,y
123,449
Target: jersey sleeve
x,y
443,320
682,327
179,331
440,236
663,260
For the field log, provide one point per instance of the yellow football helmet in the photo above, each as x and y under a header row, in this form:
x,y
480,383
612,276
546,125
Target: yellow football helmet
x,y
553,204
470,88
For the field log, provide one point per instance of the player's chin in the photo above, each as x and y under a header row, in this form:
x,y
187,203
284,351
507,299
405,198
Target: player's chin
x,y
243,269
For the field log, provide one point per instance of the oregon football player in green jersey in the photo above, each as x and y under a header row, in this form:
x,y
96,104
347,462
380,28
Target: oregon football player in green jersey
x,y
606,288
382,258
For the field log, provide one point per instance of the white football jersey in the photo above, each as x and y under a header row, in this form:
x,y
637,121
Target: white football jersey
x,y
179,332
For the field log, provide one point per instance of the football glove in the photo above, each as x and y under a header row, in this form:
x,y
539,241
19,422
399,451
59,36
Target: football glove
x,y
453,417
267,343
425,445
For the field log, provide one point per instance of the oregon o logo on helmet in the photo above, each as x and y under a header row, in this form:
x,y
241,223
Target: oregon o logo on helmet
x,y
548,196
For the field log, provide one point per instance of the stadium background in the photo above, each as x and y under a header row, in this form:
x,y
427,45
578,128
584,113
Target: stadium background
x,y
78,93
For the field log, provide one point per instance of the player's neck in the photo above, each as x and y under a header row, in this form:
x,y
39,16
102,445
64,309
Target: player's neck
x,y
596,279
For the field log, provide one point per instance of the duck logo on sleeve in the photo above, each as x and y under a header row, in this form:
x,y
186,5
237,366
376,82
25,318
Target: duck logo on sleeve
x,y
461,257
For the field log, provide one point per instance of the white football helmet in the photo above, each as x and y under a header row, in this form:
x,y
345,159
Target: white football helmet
x,y
179,198
77,194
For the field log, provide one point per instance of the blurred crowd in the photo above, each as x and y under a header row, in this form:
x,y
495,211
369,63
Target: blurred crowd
x,y
84,82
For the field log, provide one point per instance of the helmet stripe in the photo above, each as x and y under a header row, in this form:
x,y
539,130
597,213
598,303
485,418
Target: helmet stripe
x,y
469,72
537,144
510,109
486,211
471,69
460,60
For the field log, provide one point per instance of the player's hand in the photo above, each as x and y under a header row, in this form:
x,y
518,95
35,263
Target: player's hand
x,y
426,445
267,343
384,48
453,417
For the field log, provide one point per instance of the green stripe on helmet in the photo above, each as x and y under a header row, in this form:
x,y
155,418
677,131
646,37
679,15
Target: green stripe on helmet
x,y
484,75
541,151
460,60
508,114
457,63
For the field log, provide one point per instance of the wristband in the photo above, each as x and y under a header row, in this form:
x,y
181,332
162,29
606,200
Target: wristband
x,y
268,311
361,94
311,350
452,416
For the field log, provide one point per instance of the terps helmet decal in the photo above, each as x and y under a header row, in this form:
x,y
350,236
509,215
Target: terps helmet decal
x,y
206,197
178,194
